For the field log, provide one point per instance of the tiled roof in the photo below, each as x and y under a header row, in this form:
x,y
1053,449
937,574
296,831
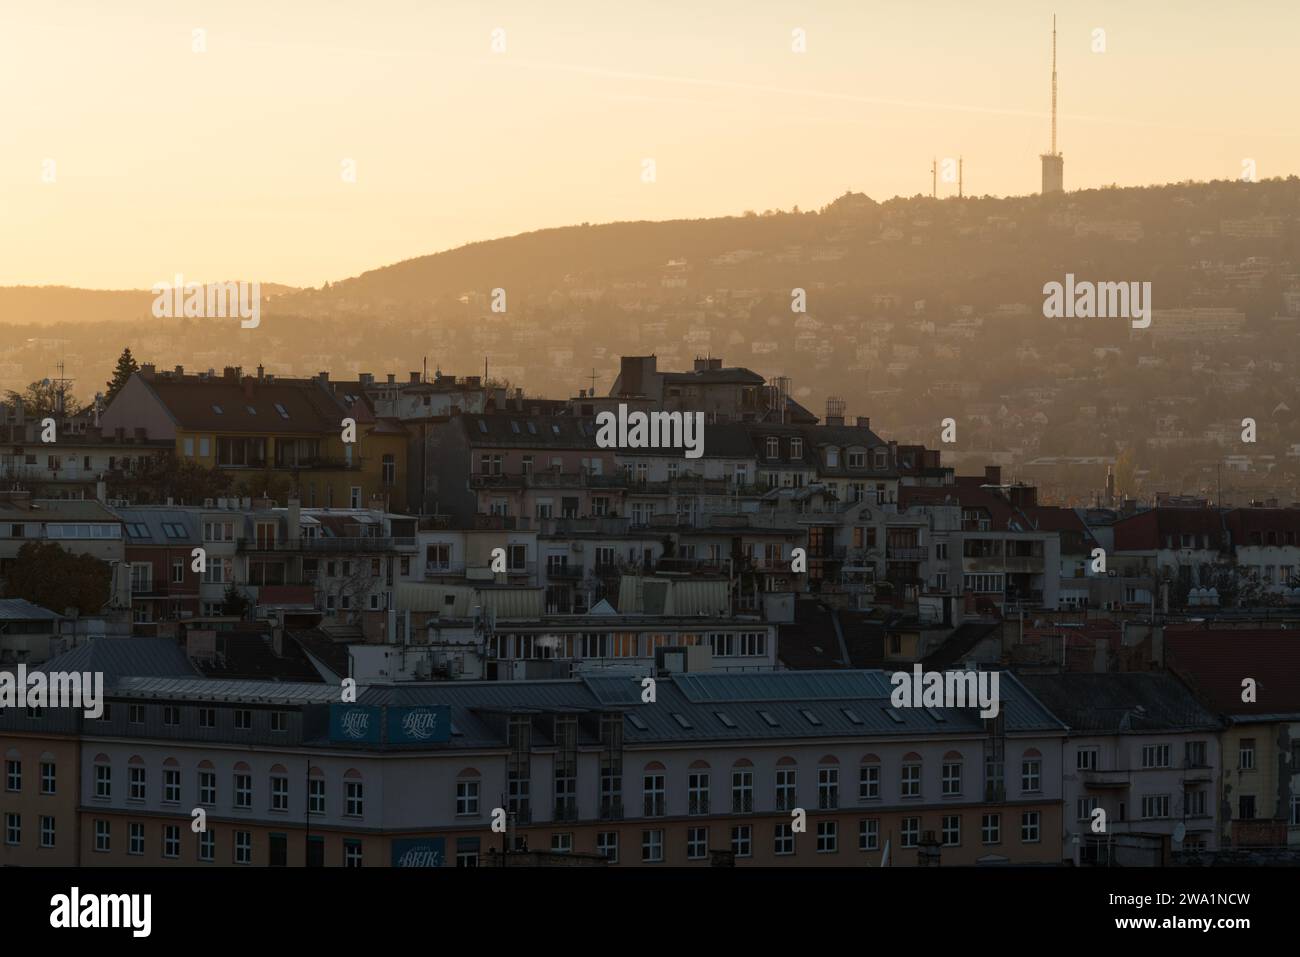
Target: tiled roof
x,y
194,402
1215,661
1121,702
20,609
504,430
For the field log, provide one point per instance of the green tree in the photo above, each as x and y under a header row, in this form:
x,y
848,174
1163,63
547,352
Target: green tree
x,y
126,367
48,576
234,603
41,399
184,481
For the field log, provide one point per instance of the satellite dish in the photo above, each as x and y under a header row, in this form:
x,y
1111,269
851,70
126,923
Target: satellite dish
x,y
1180,832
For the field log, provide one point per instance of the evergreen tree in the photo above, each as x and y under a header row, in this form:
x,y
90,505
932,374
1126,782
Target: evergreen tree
x,y
126,367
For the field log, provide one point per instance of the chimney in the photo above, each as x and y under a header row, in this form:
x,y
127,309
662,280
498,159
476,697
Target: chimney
x,y
992,475
147,370
392,378
179,371
864,421
228,373
323,378
249,386
261,373
141,434
415,378
366,379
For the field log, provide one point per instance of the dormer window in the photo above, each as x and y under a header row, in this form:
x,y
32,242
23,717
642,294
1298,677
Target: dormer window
x,y
857,460
796,448
833,458
773,447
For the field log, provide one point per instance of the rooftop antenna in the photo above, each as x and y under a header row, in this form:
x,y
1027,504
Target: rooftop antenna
x,y
1053,84
959,177
934,178
593,380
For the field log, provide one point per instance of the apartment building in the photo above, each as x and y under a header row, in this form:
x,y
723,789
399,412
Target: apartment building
x,y
1145,752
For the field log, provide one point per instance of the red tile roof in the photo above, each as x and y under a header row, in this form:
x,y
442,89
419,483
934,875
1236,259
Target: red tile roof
x,y
1217,660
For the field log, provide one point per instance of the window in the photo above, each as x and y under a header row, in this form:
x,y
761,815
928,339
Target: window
x,y
785,789
103,780
1029,827
316,795
869,782
857,460
171,786
243,847
353,802
207,717
697,792
773,447
208,845
1194,754
951,778
103,836
910,832
742,844
352,855
562,843
171,715
1155,805
655,799
13,775
783,839
135,713
828,788
1194,803
388,469
869,834
13,829
279,721
47,831
136,782
279,793
48,782
991,829
1155,756
1031,770
1084,808
697,843
607,845
171,840
911,781
135,838
952,830
1246,755
827,837
1085,759
652,847
742,791
1246,807
467,798
208,787
243,719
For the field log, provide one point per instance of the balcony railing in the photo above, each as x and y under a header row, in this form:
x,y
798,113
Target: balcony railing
x,y
611,809
698,804
364,543
742,803
655,805
567,572
906,553
566,809
439,569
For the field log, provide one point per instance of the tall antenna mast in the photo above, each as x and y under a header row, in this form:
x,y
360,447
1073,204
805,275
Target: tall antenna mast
x,y
934,177
1053,84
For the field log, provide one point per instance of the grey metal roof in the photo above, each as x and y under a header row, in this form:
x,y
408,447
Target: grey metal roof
x,y
20,609
1133,702
125,659
153,520
216,689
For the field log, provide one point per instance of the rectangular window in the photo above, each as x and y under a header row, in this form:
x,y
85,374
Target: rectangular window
x,y
136,779
783,840
697,792
48,782
207,717
1246,755
13,775
828,788
742,792
279,793
1031,775
1085,759
316,795
607,845
742,844
1155,756
991,829
171,840
354,803
103,836
951,779
103,781
1084,808
697,843
208,845
952,830
652,847
352,854
911,781
869,782
869,834
208,787
47,831
910,832
171,786
243,847
655,799
466,798
243,719
785,789
135,838
279,721
13,829
828,840
1155,806
171,716
1029,827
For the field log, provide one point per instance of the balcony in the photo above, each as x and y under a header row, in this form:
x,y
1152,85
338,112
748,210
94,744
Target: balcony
x,y
321,546
443,569
1197,773
564,572
698,804
566,809
742,804
906,553
655,805
611,808
1106,780
314,463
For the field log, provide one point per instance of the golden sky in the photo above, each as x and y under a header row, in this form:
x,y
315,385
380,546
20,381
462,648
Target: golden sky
x,y
229,163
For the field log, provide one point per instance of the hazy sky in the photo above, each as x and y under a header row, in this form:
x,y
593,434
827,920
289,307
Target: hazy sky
x,y
228,163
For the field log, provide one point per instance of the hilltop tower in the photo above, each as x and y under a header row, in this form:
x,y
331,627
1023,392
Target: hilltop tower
x,y
1053,162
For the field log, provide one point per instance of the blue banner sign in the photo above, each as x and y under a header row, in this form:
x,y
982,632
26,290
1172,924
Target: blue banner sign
x,y
354,723
419,852
426,725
